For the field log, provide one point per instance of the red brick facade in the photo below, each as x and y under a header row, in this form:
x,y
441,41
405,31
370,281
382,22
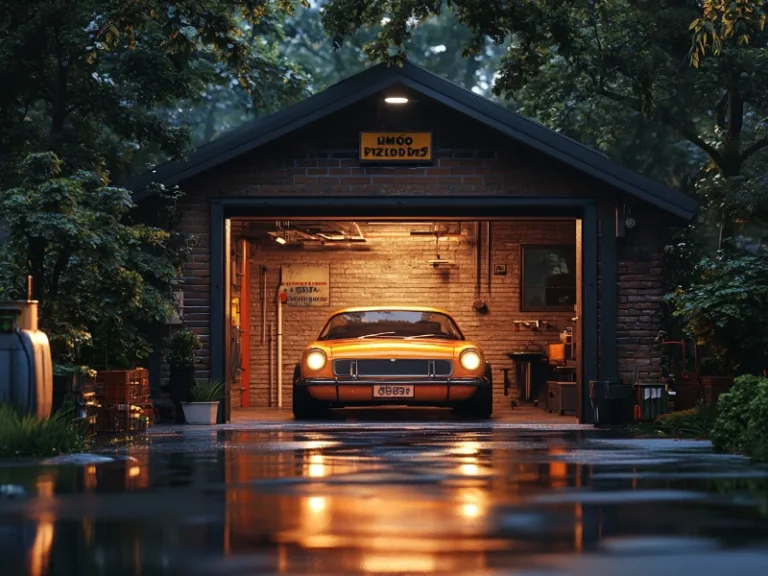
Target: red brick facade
x,y
470,159
641,289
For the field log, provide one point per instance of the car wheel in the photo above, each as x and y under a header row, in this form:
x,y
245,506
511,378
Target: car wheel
x,y
304,406
480,405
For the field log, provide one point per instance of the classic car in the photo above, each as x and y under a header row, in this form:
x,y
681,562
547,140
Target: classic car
x,y
392,356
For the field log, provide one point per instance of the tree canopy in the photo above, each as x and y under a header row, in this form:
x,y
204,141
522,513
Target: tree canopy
x,y
95,89
620,60
104,83
437,44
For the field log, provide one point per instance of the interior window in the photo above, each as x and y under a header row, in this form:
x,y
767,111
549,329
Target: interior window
x,y
548,278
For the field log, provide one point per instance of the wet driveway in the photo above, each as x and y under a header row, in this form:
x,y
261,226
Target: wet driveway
x,y
397,497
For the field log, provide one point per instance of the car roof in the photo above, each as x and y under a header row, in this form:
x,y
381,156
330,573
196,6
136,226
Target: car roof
x,y
392,308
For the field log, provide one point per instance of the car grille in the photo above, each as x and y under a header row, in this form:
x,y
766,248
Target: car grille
x,y
388,368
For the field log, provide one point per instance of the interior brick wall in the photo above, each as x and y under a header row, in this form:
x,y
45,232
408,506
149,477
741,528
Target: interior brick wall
x,y
391,268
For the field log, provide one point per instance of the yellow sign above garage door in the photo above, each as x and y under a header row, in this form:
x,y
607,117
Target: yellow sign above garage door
x,y
395,147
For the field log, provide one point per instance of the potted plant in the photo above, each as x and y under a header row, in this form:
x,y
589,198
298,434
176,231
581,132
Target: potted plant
x,y
205,402
182,357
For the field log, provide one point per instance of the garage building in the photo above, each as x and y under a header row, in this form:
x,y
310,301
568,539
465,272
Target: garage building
x,y
396,187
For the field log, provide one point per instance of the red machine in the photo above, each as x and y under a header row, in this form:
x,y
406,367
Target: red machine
x,y
687,384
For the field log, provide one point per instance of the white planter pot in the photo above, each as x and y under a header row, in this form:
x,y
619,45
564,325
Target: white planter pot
x,y
200,412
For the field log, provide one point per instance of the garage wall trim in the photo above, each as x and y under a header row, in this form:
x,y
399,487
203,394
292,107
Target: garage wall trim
x,y
489,208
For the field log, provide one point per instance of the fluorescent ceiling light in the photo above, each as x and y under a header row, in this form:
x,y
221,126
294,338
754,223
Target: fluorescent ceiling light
x,y
396,100
396,223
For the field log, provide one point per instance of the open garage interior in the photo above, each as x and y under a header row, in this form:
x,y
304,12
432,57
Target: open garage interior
x,y
511,285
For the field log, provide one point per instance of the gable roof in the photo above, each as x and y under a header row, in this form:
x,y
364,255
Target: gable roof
x,y
379,77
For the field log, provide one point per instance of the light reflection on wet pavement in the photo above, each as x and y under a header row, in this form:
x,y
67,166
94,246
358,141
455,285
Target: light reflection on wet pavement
x,y
391,498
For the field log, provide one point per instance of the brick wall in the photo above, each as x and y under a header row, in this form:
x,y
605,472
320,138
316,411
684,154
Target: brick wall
x,y
641,289
197,275
322,159
392,268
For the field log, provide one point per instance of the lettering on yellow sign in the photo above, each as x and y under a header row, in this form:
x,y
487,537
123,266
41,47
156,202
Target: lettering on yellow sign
x,y
395,147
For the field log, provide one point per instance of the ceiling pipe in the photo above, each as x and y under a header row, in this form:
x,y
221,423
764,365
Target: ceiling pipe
x,y
478,304
263,304
477,257
279,298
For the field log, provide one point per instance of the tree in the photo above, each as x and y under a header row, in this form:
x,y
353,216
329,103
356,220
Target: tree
x,y
632,56
727,310
724,21
437,44
88,79
103,279
274,80
92,91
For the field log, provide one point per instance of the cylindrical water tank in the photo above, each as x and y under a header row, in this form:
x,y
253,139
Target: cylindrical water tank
x,y
26,370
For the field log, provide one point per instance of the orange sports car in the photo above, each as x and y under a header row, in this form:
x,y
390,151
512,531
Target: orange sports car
x,y
392,356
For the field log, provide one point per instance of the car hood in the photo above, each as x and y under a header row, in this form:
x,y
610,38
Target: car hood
x,y
386,347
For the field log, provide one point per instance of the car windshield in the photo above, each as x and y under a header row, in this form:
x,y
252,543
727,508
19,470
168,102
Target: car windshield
x,y
391,324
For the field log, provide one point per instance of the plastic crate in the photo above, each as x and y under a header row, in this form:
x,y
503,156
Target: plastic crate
x,y
123,386
148,413
113,420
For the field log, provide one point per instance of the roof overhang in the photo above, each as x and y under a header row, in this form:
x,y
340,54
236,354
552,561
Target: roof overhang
x,y
377,78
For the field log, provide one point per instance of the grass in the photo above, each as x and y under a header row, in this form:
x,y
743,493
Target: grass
x,y
24,435
694,423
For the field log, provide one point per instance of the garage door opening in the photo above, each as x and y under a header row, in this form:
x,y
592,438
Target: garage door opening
x,y
512,285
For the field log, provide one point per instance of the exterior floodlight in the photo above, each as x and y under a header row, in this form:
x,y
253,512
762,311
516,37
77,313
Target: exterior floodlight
x,y
396,100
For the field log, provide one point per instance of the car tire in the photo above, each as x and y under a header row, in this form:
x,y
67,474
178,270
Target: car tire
x,y
480,405
304,406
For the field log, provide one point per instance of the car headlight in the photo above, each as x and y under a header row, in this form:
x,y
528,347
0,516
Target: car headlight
x,y
315,360
470,359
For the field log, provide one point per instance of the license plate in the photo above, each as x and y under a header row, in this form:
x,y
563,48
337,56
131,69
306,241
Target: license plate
x,y
386,391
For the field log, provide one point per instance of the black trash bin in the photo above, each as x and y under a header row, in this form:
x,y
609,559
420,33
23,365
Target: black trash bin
x,y
613,402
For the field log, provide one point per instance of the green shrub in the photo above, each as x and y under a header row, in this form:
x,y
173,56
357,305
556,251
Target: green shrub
x,y
25,435
182,349
756,436
742,418
696,422
207,390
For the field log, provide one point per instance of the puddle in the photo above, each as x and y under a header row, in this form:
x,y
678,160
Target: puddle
x,y
618,497
671,475
366,499
81,459
653,445
10,491
658,545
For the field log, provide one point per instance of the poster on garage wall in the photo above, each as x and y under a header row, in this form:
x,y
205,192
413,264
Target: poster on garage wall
x,y
307,285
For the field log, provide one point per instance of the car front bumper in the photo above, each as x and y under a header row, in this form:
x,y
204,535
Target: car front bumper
x,y
426,392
